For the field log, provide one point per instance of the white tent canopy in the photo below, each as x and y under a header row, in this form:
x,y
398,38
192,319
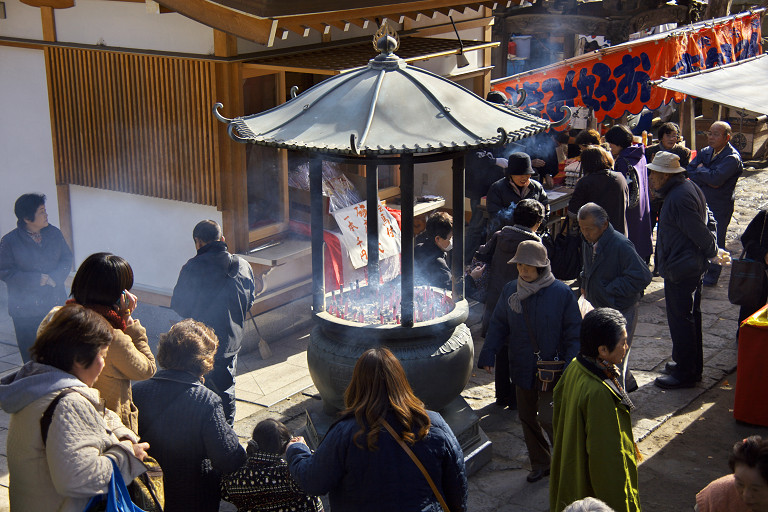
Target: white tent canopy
x,y
740,84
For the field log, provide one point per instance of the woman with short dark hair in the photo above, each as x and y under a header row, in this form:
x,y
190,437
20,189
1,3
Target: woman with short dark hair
x,y
62,466
630,155
594,452
601,185
361,465
184,421
102,284
34,263
264,484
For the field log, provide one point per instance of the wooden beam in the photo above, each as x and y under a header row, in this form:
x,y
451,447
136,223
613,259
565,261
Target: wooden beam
x,y
49,23
53,4
224,45
301,30
248,27
360,22
448,28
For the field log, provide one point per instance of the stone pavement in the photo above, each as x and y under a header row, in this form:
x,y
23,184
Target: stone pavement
x,y
280,387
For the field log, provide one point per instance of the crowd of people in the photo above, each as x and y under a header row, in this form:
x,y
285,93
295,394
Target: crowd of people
x,y
561,362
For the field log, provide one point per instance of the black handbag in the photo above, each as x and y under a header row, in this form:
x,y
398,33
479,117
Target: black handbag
x,y
747,281
747,278
564,253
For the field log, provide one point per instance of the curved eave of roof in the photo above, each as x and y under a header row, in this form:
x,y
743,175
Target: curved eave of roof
x,y
400,109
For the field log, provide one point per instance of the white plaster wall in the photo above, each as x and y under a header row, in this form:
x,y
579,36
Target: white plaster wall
x,y
21,21
26,151
154,235
128,24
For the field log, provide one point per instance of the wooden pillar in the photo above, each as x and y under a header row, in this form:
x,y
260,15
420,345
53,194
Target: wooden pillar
x,y
49,23
231,177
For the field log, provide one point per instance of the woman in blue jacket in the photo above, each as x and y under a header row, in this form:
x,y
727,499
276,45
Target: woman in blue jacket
x,y
361,465
535,306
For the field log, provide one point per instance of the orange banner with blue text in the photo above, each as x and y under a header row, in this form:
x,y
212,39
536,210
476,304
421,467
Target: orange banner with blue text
x,y
617,80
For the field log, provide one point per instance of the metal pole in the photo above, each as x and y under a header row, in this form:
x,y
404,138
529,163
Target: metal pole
x,y
372,194
457,254
406,204
316,227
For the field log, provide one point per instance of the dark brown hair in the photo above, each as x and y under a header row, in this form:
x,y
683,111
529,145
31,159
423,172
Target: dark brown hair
x,y
439,224
595,159
587,137
753,452
101,279
379,385
73,334
189,346
271,436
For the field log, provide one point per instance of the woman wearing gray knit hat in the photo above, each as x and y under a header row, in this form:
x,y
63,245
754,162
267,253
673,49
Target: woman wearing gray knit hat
x,y
538,317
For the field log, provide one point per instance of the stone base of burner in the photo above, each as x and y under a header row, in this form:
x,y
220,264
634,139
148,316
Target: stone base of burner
x,y
464,422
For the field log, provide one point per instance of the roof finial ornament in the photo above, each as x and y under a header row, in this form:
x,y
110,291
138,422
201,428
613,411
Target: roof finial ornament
x,y
386,40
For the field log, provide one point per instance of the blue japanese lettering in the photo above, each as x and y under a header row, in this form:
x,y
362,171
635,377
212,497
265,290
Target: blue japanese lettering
x,y
633,79
562,94
606,86
586,85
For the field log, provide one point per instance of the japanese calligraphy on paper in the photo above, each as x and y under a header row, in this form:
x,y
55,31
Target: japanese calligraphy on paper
x,y
353,222
612,83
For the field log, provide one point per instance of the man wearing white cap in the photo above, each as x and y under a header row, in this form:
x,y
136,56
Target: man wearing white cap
x,y
685,241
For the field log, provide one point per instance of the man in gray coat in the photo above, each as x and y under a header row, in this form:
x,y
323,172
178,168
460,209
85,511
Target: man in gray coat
x,y
613,275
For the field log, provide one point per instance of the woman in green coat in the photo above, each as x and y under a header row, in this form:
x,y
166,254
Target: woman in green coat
x,y
594,451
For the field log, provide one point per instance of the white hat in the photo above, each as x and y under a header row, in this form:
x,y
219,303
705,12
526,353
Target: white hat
x,y
667,163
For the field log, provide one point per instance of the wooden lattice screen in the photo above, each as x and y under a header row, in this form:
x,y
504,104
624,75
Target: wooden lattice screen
x,y
140,124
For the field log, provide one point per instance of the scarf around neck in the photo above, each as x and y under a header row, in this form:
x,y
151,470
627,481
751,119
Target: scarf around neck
x,y
526,289
112,316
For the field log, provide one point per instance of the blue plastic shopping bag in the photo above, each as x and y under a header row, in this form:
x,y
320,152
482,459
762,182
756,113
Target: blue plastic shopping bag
x,y
117,499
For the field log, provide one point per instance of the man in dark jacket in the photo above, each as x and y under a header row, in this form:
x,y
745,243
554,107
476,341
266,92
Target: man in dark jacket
x,y
483,168
685,242
613,275
715,170
217,288
514,187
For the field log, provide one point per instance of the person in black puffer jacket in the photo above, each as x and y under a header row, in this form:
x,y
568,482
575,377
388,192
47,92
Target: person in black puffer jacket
x,y
184,422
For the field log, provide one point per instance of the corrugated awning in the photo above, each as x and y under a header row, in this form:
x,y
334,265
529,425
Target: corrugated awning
x,y
329,59
739,84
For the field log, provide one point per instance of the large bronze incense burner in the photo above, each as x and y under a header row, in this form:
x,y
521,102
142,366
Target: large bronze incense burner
x,y
391,113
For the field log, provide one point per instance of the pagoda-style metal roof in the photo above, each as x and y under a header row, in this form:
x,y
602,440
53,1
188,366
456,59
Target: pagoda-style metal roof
x,y
385,107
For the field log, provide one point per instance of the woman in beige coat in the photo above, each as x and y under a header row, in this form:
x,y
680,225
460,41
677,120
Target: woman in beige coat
x,y
101,284
62,467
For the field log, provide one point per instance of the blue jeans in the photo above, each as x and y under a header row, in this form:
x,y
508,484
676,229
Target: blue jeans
x,y
221,380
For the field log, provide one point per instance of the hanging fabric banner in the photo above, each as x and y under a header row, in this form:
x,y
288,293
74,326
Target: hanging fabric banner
x,y
617,80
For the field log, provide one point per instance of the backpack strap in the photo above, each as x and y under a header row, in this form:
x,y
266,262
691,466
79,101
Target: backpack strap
x,y
47,417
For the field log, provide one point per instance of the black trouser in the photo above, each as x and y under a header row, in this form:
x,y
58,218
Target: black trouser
x,y
505,391
26,333
221,380
683,300
474,236
722,214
